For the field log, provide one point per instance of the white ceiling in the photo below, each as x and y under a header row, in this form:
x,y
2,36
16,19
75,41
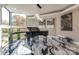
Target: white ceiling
x,y
31,9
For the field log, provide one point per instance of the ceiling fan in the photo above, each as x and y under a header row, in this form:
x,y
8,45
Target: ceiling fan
x,y
39,6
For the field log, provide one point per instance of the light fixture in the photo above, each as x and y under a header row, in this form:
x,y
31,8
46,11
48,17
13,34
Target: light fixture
x,y
38,17
39,6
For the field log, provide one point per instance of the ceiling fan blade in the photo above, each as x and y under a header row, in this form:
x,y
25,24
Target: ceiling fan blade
x,y
39,6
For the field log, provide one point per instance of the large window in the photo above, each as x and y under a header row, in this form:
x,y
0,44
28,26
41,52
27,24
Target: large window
x,y
5,31
22,35
18,33
5,16
18,19
14,36
5,40
5,36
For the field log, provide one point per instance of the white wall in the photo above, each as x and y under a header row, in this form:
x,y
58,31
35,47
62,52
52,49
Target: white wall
x,y
32,22
57,30
73,34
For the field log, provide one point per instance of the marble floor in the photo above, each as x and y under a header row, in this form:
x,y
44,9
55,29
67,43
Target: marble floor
x,y
40,45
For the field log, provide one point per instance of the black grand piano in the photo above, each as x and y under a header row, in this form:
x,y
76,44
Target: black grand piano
x,y
34,31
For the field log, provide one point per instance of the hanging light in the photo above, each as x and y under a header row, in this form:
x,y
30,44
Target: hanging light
x,y
38,17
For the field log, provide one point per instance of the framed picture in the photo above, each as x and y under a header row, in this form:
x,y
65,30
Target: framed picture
x,y
66,22
50,23
42,24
